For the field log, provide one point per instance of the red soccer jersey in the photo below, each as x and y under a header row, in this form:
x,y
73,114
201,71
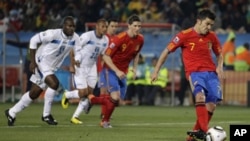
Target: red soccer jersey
x,y
123,49
99,62
196,50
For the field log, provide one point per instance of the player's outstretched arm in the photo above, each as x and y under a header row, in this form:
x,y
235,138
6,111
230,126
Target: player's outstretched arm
x,y
72,62
159,63
219,69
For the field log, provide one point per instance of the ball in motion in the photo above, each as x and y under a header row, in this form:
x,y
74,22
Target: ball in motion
x,y
217,133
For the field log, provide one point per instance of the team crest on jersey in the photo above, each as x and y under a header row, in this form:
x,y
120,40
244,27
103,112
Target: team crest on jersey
x,y
209,44
176,40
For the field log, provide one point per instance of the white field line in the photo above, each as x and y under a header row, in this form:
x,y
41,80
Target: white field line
x,y
129,124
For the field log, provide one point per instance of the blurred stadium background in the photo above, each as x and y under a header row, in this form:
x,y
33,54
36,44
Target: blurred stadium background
x,y
161,20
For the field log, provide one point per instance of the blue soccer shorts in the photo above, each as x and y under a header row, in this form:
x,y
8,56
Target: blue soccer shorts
x,y
210,83
109,80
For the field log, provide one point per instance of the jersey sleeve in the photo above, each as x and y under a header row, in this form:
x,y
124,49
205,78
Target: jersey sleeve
x,y
84,39
46,36
176,41
217,49
113,46
77,48
108,39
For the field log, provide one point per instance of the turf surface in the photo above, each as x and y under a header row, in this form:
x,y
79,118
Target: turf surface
x,y
130,123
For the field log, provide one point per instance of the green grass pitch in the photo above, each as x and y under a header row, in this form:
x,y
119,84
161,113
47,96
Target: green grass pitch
x,y
130,123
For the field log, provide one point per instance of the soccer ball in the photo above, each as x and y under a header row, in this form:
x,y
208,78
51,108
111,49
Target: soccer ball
x,y
217,133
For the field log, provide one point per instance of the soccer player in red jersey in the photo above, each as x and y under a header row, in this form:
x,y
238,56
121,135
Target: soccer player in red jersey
x,y
111,32
196,44
123,49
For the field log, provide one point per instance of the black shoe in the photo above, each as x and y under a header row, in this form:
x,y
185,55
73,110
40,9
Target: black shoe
x,y
49,119
87,107
197,134
10,119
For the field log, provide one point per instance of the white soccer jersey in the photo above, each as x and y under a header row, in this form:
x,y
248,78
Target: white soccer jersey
x,y
92,47
54,48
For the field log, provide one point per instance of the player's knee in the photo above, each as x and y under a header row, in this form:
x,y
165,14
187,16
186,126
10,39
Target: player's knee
x,y
199,94
83,93
52,82
211,106
115,96
35,92
114,101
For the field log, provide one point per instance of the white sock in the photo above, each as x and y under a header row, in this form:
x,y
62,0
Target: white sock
x,y
20,105
80,107
48,99
72,94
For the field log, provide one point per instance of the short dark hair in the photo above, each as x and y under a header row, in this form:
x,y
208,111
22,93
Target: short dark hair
x,y
133,18
112,20
101,20
70,18
206,13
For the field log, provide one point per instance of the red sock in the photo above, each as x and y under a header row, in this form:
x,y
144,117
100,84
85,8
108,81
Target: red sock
x,y
196,126
96,100
110,107
103,106
202,116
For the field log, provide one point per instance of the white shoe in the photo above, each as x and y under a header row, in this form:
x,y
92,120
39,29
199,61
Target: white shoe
x,y
106,124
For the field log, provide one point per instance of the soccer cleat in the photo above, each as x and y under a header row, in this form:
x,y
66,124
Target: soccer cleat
x,y
50,120
197,134
10,119
105,124
64,101
87,106
75,120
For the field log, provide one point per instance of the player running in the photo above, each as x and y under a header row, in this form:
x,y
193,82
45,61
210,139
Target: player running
x,y
55,45
124,48
84,68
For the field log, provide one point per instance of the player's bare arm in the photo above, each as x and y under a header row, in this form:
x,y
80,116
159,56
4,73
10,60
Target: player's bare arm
x,y
109,62
219,69
161,60
33,64
72,62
